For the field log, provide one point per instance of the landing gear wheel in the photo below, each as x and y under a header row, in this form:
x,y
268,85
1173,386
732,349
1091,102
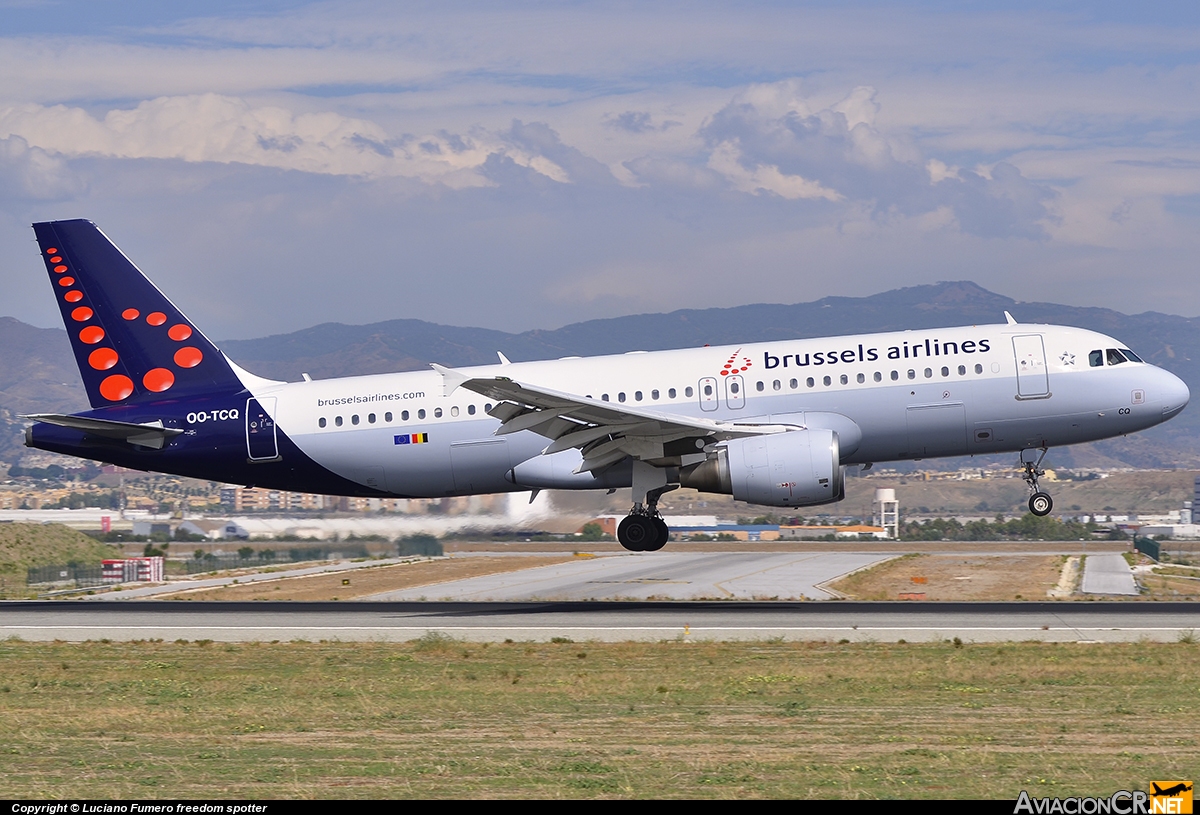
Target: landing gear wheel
x,y
637,533
663,533
1040,504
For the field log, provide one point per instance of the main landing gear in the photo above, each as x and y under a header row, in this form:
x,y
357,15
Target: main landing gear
x,y
1040,503
643,529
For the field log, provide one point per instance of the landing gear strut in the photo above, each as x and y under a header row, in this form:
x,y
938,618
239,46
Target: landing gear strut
x,y
643,529
1040,503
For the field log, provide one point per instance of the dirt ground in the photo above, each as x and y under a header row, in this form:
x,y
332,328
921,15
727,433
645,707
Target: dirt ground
x,y
351,585
956,577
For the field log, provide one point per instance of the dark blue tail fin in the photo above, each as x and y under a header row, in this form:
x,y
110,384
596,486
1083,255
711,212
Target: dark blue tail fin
x,y
131,343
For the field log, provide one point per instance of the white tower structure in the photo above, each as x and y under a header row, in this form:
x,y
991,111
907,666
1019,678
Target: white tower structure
x,y
887,512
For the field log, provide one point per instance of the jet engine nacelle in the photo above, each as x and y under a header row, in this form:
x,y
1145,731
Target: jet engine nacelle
x,y
795,469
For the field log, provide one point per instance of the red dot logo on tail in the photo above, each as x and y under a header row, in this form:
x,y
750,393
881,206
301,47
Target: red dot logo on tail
x,y
131,314
73,296
116,387
102,359
82,314
92,335
158,379
188,357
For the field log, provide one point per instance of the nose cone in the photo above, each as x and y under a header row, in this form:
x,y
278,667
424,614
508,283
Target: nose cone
x,y
1173,393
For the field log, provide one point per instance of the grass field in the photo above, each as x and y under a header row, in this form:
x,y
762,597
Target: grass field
x,y
440,718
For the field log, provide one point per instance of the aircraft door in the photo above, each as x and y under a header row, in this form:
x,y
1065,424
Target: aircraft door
x,y
1032,378
261,444
707,389
735,392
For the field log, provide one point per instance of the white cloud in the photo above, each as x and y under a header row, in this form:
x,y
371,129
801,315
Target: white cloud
x,y
726,160
210,127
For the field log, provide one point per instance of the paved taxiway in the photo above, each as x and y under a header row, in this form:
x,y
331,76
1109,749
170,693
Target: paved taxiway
x,y
602,621
661,575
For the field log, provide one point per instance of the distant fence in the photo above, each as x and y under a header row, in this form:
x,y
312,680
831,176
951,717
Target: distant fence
x,y
81,576
273,557
1148,547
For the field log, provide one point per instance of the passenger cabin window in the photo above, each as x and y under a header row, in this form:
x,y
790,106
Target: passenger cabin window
x,y
895,375
827,381
671,393
978,368
878,376
845,380
371,418
321,422
862,378
687,391
454,410
437,413
621,396
1096,359
471,410
404,415
421,413
810,382
708,390
354,419
776,385
387,417
962,370
337,420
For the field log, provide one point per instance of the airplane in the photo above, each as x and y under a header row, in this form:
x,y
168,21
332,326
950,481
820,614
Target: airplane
x,y
775,423
1171,792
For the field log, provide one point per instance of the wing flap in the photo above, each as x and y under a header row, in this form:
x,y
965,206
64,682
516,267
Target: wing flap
x,y
605,432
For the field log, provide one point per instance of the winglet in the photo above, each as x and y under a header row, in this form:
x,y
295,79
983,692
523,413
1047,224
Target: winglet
x,y
451,379
1008,318
503,359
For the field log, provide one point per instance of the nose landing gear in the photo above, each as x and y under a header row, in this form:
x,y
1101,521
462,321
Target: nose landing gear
x,y
1040,503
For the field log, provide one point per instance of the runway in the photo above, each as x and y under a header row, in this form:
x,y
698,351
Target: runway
x,y
602,621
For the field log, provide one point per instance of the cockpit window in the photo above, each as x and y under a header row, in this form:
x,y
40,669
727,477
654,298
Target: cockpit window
x,y
1132,357
1096,359
1114,356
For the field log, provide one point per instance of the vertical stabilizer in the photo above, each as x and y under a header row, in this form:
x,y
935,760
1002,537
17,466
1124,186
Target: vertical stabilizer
x,y
131,343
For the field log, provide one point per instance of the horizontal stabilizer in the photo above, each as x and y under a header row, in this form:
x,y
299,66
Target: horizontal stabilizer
x,y
151,434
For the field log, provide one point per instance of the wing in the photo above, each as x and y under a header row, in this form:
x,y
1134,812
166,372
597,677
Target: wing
x,y
604,432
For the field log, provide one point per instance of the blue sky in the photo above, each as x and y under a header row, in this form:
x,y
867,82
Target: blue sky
x,y
275,165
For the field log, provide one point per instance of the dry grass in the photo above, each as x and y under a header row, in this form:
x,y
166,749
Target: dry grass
x,y
439,718
358,583
957,577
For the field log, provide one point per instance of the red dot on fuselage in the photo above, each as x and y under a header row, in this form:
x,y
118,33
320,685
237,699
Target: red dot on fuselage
x,y
180,332
188,357
73,296
116,387
724,373
130,314
60,269
51,251
158,379
82,314
156,318
56,260
102,359
66,281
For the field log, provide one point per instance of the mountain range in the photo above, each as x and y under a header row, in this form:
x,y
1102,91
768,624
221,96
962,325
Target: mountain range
x,y
37,371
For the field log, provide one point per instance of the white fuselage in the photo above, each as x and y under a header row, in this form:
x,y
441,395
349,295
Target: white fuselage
x,y
910,395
